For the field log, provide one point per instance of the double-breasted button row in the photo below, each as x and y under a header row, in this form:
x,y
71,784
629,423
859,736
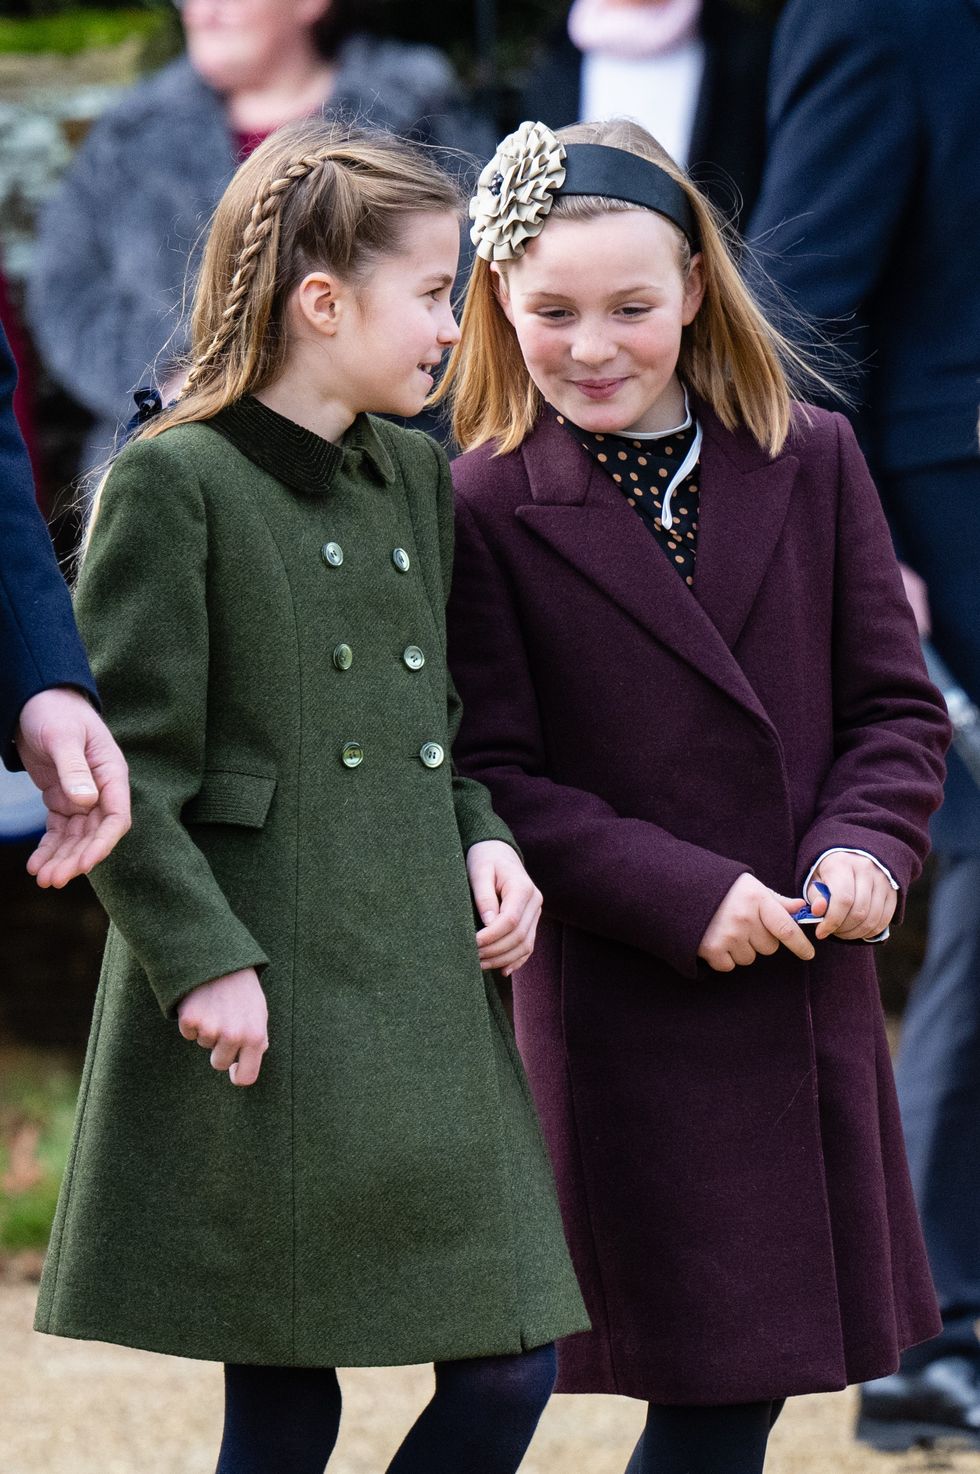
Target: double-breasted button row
x,y
343,657
432,754
333,555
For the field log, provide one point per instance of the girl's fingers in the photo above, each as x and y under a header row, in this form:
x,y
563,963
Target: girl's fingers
x,y
882,908
520,928
245,1070
841,900
515,957
483,884
775,913
224,1053
852,928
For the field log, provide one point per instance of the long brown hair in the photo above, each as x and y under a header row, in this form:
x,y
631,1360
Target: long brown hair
x,y
731,354
313,196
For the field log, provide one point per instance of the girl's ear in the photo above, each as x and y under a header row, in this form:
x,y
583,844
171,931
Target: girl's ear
x,y
693,290
501,292
320,302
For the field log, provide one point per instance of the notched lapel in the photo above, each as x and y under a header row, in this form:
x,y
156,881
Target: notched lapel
x,y
578,511
601,538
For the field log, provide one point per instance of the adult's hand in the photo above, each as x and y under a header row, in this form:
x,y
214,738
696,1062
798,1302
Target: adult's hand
x,y
71,755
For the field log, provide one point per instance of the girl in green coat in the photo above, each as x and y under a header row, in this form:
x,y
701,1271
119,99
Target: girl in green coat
x,y
263,595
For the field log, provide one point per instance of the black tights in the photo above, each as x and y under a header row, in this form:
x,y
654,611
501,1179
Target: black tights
x,y
284,1420
705,1440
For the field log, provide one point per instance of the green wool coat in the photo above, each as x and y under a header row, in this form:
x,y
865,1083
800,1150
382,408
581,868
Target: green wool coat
x,y
265,614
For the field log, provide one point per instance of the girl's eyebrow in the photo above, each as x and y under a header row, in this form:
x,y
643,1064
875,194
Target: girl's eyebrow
x,y
544,295
443,278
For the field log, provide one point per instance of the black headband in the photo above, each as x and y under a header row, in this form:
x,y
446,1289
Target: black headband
x,y
594,169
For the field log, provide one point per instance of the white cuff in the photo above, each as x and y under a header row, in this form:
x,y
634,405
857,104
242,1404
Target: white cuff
x,y
841,849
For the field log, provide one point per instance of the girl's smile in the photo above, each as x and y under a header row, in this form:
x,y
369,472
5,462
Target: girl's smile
x,y
603,348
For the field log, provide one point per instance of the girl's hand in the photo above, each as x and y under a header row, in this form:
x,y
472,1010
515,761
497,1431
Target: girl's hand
x,y
751,920
230,1017
509,904
862,898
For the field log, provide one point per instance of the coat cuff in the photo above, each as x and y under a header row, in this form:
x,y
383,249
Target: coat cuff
x,y
189,972
71,681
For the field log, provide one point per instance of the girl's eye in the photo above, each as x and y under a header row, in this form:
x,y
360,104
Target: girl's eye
x,y
553,314
634,310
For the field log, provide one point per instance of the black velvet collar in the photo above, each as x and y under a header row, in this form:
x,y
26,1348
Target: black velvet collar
x,y
294,455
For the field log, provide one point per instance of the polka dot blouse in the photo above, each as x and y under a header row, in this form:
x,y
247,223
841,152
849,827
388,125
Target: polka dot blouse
x,y
642,470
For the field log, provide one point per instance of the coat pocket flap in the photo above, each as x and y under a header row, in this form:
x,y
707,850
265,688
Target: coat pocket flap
x,y
231,798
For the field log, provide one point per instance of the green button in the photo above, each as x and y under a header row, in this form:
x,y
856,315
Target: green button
x,y
401,560
352,755
343,657
333,554
413,657
431,754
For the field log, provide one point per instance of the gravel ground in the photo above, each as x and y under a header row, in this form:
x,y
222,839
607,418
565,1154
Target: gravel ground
x,y
73,1407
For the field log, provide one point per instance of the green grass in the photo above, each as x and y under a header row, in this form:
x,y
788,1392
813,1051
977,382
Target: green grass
x,y
37,1093
79,30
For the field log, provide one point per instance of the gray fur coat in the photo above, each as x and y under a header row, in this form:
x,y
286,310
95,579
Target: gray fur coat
x,y
116,237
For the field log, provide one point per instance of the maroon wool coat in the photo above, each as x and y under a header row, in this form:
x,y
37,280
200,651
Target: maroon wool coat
x,y
727,1146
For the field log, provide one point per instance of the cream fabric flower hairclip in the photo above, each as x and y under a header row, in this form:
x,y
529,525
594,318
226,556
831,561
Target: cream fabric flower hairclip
x,y
516,191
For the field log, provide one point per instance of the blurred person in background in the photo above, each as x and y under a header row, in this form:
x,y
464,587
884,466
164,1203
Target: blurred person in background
x,y
143,185
869,220
693,72
48,721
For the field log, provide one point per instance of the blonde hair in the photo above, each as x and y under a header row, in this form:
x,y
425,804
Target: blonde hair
x,y
731,355
314,195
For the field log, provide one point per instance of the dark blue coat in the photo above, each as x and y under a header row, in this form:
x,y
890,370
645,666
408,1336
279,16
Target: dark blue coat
x,y
870,207
39,644
868,220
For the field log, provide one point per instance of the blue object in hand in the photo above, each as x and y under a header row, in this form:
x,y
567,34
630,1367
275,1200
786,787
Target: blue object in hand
x,y
805,917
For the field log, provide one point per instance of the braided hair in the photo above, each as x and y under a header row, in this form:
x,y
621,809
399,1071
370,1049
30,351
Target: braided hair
x,y
313,196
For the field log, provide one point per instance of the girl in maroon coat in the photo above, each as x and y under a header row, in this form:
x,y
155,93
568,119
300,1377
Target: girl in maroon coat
x,y
694,688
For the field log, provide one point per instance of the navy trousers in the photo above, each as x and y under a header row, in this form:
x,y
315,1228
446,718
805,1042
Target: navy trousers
x,y
936,515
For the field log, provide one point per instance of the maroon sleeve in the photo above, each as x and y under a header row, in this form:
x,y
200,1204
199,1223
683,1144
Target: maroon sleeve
x,y
891,730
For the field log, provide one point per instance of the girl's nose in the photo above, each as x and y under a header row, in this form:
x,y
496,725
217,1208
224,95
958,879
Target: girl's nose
x,y
449,329
592,348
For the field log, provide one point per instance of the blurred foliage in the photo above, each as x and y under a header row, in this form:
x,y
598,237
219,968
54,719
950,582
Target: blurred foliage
x,y
78,30
37,1107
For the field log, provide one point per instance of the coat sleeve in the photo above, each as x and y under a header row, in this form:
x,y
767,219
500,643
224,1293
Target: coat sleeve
x,y
620,877
39,644
843,151
891,730
141,604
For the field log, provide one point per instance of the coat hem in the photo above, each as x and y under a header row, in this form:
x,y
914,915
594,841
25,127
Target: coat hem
x,y
522,1340
877,1364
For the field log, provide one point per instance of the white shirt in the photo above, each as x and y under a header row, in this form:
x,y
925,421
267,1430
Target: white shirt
x,y
660,92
